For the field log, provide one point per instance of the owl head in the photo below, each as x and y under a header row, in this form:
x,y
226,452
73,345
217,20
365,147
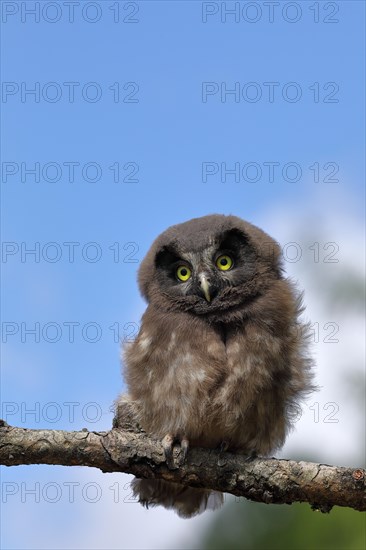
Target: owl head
x,y
208,266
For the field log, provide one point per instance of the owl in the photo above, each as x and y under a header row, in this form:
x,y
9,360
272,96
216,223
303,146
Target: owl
x,y
221,359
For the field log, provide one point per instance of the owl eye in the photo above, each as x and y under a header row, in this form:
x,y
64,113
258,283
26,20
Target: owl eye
x,y
183,273
224,262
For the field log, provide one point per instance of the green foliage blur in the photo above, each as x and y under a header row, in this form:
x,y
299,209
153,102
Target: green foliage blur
x,y
247,525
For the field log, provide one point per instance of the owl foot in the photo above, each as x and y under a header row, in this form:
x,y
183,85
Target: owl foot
x,y
174,459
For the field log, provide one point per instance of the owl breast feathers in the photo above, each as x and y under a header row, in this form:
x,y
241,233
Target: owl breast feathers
x,y
221,357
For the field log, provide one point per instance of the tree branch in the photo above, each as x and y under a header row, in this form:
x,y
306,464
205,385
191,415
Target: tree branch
x,y
128,449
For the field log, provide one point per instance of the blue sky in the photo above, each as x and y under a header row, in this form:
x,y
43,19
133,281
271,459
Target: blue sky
x,y
162,140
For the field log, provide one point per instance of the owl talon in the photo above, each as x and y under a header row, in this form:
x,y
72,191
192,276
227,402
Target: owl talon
x,y
253,455
184,446
223,447
167,443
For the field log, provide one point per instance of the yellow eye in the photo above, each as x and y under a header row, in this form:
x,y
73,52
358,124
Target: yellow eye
x,y
183,273
224,262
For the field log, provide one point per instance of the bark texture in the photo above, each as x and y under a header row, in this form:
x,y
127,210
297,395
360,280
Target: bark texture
x,y
128,449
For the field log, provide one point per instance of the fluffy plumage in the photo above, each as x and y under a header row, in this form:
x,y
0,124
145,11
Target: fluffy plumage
x,y
221,358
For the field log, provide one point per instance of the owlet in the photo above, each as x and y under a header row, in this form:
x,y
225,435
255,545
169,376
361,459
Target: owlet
x,y
221,358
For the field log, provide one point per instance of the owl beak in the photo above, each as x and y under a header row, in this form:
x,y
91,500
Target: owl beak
x,y
205,286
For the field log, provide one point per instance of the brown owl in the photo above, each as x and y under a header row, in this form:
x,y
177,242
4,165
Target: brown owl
x,y
221,358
